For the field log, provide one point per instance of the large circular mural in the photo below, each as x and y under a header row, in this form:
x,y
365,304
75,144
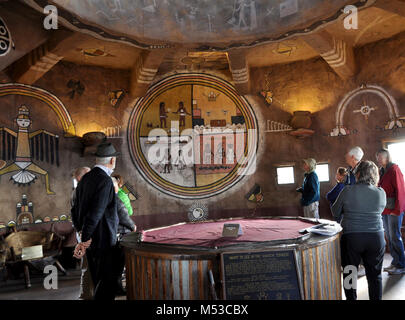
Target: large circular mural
x,y
192,136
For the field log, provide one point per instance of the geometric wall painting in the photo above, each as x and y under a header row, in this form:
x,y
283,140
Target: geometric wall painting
x,y
395,120
6,43
188,144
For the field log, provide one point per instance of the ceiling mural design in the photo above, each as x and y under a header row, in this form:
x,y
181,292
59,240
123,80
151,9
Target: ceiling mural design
x,y
220,25
192,136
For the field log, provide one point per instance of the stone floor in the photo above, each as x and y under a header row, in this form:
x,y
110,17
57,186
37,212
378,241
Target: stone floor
x,y
68,287
393,286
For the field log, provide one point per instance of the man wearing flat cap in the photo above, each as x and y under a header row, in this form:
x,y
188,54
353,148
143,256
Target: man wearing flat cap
x,y
96,211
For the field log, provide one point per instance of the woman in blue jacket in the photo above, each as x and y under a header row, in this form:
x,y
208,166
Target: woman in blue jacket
x,y
310,189
340,177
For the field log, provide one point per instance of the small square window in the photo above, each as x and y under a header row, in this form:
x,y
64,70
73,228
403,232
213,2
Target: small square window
x,y
397,152
285,175
322,170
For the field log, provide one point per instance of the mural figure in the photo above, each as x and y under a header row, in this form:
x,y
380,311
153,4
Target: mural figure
x,y
116,97
219,154
182,114
76,86
22,147
255,194
230,154
162,115
244,11
268,96
212,96
25,211
179,161
167,162
207,154
266,92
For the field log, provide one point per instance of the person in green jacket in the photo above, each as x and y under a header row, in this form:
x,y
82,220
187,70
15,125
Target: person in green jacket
x,y
122,195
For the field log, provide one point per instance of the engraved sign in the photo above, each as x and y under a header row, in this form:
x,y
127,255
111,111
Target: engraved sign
x,y
263,275
232,230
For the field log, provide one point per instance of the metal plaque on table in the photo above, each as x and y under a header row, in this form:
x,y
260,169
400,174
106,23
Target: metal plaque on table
x,y
260,275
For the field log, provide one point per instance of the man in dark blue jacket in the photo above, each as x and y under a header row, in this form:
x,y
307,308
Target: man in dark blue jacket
x,y
96,211
310,189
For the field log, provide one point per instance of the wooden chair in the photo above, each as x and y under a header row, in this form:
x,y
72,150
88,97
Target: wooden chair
x,y
51,243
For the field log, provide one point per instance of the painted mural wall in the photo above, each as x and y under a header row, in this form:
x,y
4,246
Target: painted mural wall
x,y
40,145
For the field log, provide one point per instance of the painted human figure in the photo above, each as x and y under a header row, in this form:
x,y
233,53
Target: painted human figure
x,y
207,154
162,115
23,161
179,162
167,162
219,155
243,15
230,155
182,114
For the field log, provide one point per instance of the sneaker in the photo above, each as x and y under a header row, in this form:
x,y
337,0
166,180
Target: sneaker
x,y
389,268
396,271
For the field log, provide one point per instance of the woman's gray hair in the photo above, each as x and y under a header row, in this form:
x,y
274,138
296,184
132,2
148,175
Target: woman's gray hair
x,y
367,172
386,152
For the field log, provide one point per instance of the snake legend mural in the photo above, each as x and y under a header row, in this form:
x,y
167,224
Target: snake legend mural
x,y
192,136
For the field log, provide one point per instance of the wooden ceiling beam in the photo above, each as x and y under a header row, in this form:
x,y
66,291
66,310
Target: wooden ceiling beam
x,y
337,53
240,71
144,71
39,61
394,6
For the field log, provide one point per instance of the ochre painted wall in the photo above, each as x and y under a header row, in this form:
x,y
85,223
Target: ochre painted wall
x,y
308,85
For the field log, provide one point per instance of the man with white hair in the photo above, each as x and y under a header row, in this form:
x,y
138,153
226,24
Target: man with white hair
x,y
96,208
353,159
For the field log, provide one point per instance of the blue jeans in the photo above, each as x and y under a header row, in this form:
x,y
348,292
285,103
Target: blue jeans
x,y
392,227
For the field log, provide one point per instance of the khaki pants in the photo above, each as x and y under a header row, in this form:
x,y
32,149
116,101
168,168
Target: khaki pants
x,y
86,283
312,210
